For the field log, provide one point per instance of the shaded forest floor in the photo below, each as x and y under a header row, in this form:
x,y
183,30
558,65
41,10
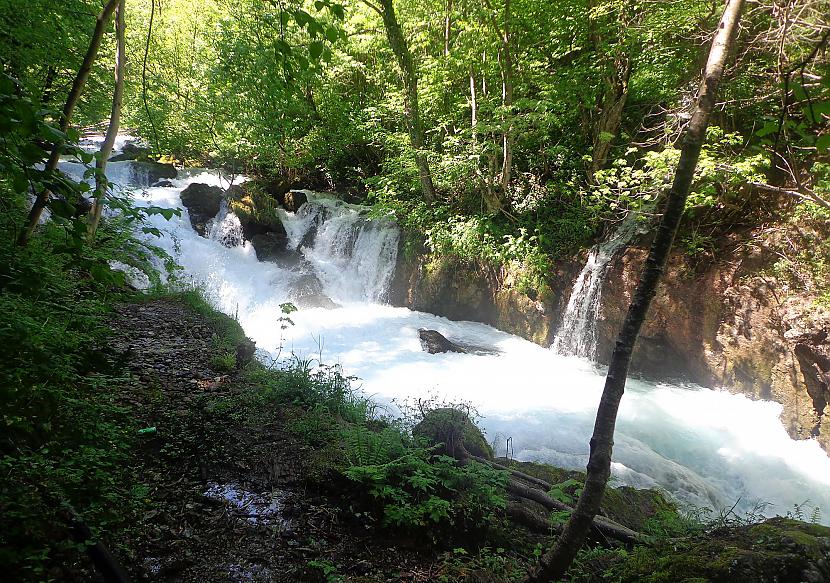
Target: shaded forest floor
x,y
229,493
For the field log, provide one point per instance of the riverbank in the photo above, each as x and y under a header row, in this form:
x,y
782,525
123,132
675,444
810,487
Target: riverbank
x,y
255,474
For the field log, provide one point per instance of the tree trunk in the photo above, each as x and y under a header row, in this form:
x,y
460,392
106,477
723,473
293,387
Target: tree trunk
x,y
507,100
78,84
115,122
506,65
555,562
473,107
447,28
610,117
410,82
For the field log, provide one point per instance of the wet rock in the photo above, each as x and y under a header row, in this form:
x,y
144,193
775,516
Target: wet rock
x,y
132,151
202,202
235,192
307,292
294,199
434,342
163,184
152,172
268,246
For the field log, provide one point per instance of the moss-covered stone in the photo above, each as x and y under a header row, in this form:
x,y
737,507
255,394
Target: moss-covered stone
x,y
454,429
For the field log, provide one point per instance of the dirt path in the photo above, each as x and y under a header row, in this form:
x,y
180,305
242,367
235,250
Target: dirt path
x,y
228,498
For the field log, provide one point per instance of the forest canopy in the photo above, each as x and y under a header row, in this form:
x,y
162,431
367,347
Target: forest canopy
x,y
540,124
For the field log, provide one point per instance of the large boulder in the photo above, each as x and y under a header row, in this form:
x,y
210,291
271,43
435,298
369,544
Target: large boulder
x,y
132,151
434,342
294,199
268,246
454,431
307,292
202,202
147,173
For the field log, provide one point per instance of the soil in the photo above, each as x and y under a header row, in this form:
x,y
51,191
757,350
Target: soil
x,y
227,493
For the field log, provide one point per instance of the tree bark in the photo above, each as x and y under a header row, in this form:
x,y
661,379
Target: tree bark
x,y
610,116
409,76
503,32
555,562
115,122
42,198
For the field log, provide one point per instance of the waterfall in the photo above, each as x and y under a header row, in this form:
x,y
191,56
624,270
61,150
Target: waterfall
x,y
577,335
353,253
226,228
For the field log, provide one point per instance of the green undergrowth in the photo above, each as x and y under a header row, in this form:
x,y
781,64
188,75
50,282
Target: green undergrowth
x,y
65,438
394,480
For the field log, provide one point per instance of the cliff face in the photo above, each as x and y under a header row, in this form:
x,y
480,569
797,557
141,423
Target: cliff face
x,y
472,290
729,325
723,324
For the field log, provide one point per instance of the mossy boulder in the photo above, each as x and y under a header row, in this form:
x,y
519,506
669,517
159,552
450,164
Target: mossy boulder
x,y
256,210
202,202
454,429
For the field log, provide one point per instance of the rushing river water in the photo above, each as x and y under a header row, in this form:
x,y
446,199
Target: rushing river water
x,y
705,447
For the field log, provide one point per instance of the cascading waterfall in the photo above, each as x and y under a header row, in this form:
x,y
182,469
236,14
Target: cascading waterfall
x,y
577,335
704,447
226,228
355,255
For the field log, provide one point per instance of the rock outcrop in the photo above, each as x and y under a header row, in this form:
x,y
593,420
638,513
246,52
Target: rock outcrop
x,y
202,202
729,325
472,290
132,151
294,199
719,324
152,172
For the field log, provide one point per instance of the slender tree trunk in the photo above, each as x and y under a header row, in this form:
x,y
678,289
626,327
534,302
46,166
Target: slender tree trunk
x,y
506,65
507,100
447,28
473,107
42,197
115,122
410,82
610,117
555,562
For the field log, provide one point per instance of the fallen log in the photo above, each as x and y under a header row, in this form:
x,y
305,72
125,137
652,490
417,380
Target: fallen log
x,y
603,525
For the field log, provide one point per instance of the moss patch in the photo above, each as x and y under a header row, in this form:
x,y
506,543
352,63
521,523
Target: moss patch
x,y
778,550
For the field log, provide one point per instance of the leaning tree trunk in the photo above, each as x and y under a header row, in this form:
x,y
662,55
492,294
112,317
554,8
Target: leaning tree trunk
x,y
42,198
115,122
555,562
410,82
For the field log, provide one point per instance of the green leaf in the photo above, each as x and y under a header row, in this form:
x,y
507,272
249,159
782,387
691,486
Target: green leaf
x,y
823,143
315,50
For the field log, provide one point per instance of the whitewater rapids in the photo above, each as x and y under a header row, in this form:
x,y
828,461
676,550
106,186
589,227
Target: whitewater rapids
x,y
706,448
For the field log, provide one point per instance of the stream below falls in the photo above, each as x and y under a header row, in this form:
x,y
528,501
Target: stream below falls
x,y
707,448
